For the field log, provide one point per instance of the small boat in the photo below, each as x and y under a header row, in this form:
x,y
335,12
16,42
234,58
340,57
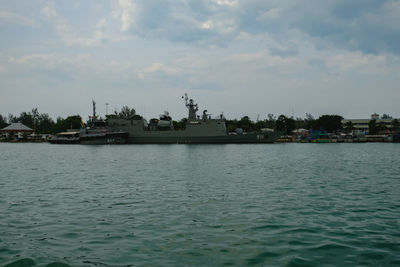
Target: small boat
x,y
65,138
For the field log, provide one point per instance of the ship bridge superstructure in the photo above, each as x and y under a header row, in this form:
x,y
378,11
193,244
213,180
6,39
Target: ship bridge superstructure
x,y
192,107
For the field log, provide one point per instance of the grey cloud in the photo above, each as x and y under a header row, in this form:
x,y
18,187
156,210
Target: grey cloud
x,y
283,52
353,25
318,63
182,21
370,26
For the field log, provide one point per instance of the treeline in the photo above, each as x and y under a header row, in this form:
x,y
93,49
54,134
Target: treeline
x,y
42,123
285,124
282,123
375,128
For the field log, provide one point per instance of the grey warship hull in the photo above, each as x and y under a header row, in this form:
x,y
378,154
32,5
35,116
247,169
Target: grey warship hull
x,y
104,138
227,139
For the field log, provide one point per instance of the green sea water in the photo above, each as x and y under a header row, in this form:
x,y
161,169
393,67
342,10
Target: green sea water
x,y
200,205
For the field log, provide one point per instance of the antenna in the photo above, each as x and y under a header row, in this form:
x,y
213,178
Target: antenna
x,y
185,98
106,109
94,109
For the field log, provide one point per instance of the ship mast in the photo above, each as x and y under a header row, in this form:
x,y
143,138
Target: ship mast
x,y
94,110
191,106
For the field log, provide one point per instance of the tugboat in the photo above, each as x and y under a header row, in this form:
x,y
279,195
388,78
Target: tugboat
x,y
198,130
97,133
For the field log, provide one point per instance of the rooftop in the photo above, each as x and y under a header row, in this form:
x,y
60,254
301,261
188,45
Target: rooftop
x,y
16,127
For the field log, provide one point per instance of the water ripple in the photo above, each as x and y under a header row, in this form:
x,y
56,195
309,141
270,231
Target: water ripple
x,y
177,205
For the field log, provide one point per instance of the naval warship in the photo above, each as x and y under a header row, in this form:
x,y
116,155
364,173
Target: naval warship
x,y
198,129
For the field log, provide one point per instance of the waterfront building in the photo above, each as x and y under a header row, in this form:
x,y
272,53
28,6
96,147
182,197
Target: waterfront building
x,y
15,131
361,125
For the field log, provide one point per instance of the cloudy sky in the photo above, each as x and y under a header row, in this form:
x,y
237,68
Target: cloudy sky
x,y
250,57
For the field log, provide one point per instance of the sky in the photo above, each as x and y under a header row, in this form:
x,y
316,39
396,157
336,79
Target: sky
x,y
250,57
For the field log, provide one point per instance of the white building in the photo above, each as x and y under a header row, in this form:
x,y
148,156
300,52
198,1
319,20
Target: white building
x,y
361,125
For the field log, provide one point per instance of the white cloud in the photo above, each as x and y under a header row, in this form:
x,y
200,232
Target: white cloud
x,y
207,25
357,62
273,13
221,26
11,17
70,36
229,3
49,61
127,14
263,56
101,24
157,66
49,10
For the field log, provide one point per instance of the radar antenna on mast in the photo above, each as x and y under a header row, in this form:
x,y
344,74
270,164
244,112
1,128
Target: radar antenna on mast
x,y
186,98
191,106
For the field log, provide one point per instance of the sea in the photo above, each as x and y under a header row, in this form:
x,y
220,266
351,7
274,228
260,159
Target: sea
x,y
200,205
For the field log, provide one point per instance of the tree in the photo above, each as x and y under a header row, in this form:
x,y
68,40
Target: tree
x,y
270,122
12,118
30,119
381,127
329,123
349,126
35,116
285,124
26,118
127,112
41,123
290,125
372,127
259,125
246,124
395,125
300,123
180,125
3,122
44,123
310,122
280,123
309,117
386,117
71,122
231,125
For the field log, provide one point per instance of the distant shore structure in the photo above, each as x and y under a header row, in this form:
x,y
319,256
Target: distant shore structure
x,y
361,125
16,129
